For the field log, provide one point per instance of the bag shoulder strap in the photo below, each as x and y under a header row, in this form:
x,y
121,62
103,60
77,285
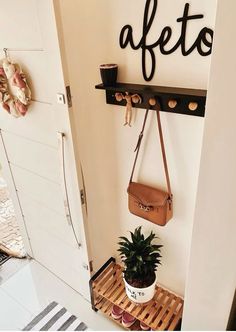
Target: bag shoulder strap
x,y
138,145
157,110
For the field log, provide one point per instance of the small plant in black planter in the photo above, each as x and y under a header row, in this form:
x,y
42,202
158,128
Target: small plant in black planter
x,y
141,258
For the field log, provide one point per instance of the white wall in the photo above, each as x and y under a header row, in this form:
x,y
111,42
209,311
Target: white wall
x,y
91,31
212,272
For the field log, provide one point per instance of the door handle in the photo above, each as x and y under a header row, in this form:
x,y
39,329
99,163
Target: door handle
x,y
61,141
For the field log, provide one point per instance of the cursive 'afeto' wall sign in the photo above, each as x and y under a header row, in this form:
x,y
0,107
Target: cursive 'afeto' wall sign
x,y
203,43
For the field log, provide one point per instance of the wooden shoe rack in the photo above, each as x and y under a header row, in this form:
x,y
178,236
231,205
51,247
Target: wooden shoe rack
x,y
164,312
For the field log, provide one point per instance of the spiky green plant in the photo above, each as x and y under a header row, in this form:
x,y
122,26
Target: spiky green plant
x,y
140,257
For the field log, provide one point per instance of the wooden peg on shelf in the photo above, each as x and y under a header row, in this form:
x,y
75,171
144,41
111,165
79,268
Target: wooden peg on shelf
x,y
172,103
119,96
193,106
136,99
152,101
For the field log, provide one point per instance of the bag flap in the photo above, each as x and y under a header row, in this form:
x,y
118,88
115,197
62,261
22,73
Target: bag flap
x,y
146,195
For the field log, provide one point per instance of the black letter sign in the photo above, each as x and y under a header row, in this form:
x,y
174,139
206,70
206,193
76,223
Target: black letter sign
x,y
126,37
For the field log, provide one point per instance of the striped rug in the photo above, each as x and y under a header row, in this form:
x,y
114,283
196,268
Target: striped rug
x,y
55,318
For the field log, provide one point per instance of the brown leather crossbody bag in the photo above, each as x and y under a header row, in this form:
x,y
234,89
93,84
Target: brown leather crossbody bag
x,y
150,203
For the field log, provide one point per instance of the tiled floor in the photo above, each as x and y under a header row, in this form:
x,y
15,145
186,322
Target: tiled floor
x,y
32,288
9,268
10,236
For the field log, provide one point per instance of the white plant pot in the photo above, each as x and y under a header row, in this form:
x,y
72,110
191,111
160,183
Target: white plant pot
x,y
140,295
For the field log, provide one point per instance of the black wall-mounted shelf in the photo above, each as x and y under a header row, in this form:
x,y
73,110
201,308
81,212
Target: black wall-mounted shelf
x,y
185,98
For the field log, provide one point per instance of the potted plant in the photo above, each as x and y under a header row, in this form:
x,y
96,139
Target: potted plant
x,y
140,258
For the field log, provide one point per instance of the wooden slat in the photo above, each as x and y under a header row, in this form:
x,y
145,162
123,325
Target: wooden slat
x,y
154,308
105,285
103,273
151,314
167,319
106,282
107,304
146,310
164,309
158,292
159,304
110,287
99,304
121,298
110,292
131,307
157,308
136,312
112,276
126,303
116,295
108,308
176,320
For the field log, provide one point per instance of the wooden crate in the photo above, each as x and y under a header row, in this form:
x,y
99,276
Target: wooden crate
x,y
162,313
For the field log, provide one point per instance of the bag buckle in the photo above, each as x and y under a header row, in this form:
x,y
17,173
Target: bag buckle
x,y
144,207
170,199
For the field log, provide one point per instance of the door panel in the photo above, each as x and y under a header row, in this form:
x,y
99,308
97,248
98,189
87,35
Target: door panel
x,y
46,192
46,220
39,126
12,16
38,158
56,256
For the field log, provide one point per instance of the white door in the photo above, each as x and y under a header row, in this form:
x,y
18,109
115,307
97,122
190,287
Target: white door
x,y
47,201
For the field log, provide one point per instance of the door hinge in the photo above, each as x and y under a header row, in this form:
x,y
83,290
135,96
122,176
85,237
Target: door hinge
x,y
68,96
82,197
91,266
84,190
88,267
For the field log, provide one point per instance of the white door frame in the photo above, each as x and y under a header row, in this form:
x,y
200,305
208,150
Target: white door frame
x,y
76,165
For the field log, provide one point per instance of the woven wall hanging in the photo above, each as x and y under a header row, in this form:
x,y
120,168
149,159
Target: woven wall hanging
x,y
15,94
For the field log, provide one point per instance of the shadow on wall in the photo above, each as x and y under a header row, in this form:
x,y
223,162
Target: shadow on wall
x,y
232,318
